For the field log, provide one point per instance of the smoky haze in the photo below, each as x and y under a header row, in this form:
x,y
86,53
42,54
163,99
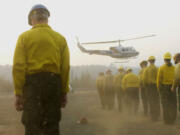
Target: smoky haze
x,y
83,102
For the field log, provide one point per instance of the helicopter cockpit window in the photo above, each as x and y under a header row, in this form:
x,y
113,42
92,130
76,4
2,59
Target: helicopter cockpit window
x,y
133,49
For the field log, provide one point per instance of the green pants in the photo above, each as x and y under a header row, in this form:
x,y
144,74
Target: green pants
x,y
132,99
179,98
101,93
120,94
169,104
145,101
110,98
154,101
41,114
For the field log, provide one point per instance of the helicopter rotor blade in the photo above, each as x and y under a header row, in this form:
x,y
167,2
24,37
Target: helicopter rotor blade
x,y
103,42
122,61
116,41
137,38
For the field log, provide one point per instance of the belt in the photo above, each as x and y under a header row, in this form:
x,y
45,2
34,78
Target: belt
x,y
43,74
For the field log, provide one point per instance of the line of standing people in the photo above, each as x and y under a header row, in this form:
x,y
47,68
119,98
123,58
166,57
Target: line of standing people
x,y
106,92
157,87
124,85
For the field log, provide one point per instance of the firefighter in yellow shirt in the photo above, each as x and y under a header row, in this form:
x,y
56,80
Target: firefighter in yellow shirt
x,y
118,87
109,90
100,87
130,85
168,98
143,89
41,74
149,79
176,82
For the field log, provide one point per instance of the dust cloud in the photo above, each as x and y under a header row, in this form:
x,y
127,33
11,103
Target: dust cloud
x,y
85,103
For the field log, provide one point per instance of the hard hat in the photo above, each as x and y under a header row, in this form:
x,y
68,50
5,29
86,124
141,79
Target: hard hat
x,y
120,68
36,7
167,55
177,57
151,58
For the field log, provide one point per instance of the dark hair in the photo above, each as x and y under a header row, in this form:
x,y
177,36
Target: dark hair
x,y
151,61
177,58
40,15
143,63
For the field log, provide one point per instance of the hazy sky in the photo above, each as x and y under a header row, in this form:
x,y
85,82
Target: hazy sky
x,y
94,20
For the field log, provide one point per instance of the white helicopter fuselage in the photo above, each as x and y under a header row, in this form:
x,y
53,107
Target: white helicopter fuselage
x,y
114,52
123,52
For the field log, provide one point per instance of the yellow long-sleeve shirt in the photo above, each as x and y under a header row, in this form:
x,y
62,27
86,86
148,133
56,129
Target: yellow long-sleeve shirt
x,y
150,75
109,82
130,80
40,49
176,76
118,80
165,75
100,81
141,72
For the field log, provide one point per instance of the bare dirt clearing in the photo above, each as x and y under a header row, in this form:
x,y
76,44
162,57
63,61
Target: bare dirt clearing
x,y
86,104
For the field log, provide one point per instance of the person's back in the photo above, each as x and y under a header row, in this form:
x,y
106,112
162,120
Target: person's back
x,y
165,75
41,75
130,84
165,81
118,80
176,82
143,88
44,48
109,89
100,88
118,87
150,74
177,72
100,82
141,76
130,80
109,82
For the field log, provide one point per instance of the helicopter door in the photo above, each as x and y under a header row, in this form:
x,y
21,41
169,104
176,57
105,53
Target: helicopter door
x,y
114,50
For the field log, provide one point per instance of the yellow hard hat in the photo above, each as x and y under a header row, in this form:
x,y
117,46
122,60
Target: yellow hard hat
x,y
121,68
151,58
167,55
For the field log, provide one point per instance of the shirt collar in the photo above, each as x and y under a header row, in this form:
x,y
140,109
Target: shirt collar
x,y
41,25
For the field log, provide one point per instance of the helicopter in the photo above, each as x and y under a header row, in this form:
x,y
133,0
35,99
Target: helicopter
x,y
118,52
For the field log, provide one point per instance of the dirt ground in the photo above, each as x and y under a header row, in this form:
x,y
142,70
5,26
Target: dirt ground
x,y
100,122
